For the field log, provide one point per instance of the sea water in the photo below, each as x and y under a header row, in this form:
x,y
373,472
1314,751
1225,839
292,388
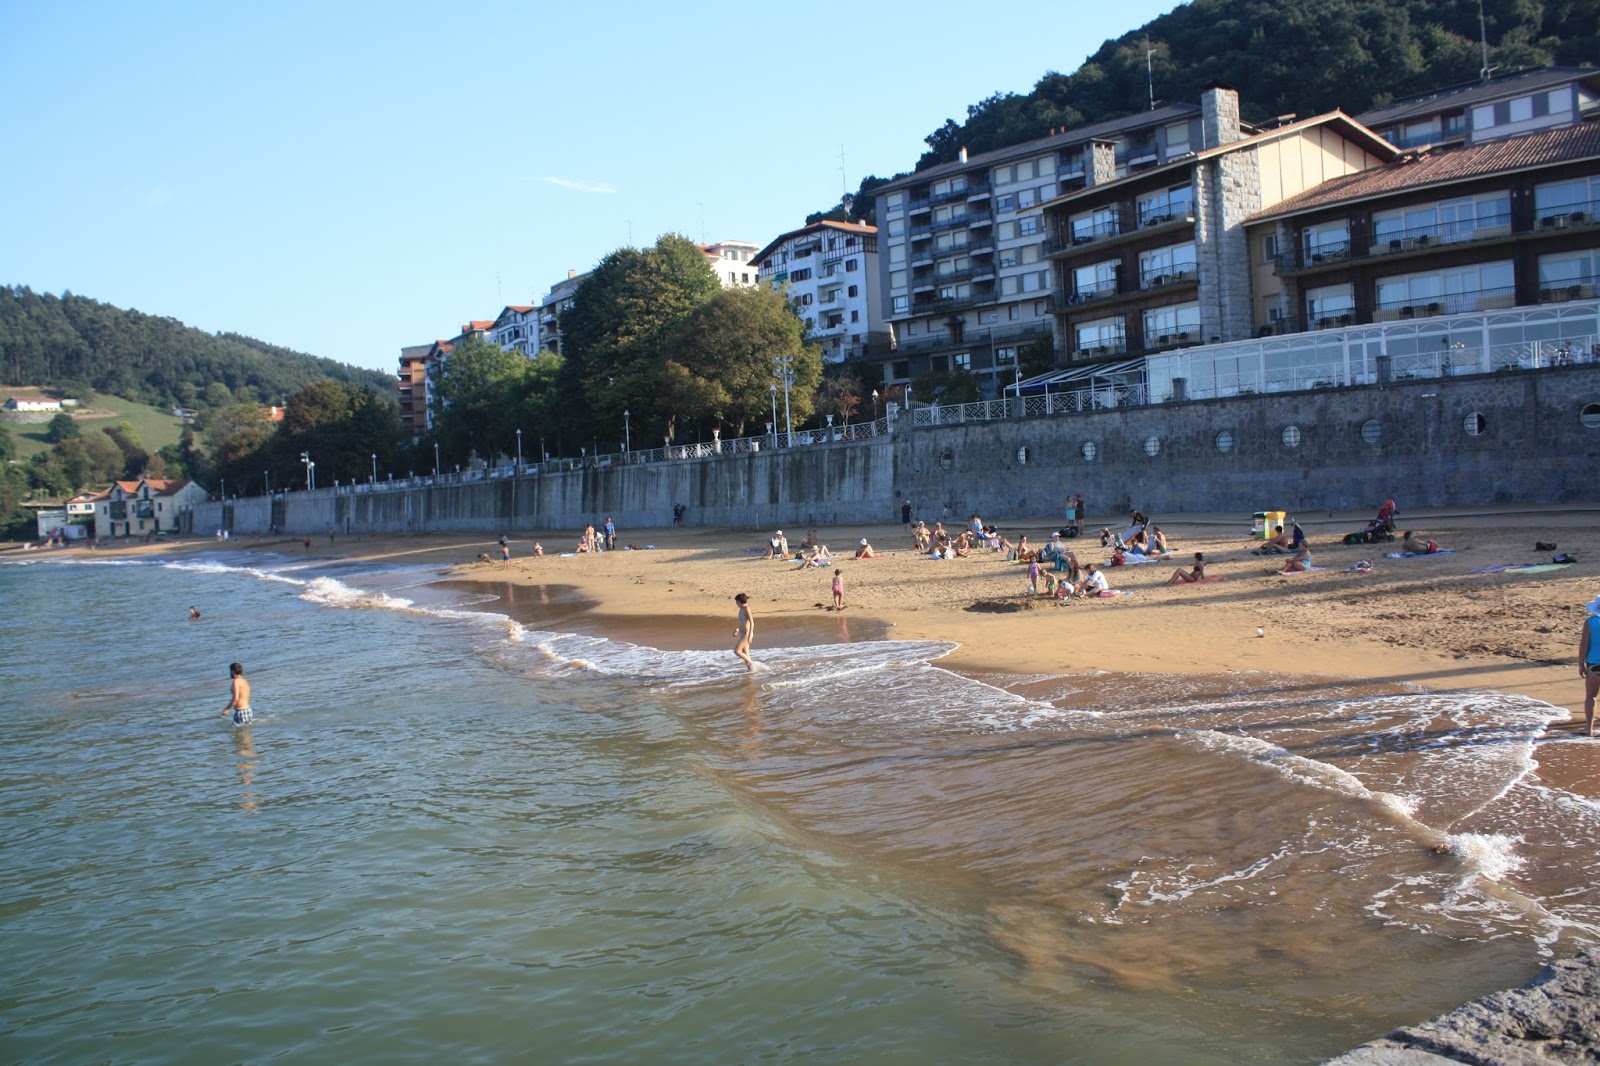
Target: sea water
x,y
485,829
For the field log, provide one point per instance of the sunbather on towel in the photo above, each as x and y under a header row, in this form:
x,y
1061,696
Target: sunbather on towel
x,y
1299,563
1181,576
1412,546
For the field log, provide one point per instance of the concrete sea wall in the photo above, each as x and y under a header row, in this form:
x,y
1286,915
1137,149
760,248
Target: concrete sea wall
x,y
1530,437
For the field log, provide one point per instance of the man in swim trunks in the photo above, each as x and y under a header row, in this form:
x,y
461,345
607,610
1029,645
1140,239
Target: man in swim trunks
x,y
238,707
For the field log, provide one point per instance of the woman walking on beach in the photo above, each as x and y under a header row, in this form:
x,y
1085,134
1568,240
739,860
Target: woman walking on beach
x,y
744,631
1589,663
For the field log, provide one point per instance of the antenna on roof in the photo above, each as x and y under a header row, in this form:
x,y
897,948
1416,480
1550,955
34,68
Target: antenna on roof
x,y
844,180
1149,74
497,297
1483,37
703,223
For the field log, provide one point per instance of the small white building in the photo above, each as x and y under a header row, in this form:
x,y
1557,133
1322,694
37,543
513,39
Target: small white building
x,y
733,262
149,505
557,300
830,272
18,404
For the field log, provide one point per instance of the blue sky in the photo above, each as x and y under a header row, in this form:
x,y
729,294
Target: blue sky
x,y
346,178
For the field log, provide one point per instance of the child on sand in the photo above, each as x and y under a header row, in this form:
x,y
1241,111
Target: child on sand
x,y
838,590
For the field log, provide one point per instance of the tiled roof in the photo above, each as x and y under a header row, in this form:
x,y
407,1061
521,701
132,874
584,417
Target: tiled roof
x,y
815,227
1470,94
1442,166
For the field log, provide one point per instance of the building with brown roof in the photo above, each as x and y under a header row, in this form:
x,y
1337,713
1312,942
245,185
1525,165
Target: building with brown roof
x,y
1440,231
146,506
516,329
413,388
1159,259
830,272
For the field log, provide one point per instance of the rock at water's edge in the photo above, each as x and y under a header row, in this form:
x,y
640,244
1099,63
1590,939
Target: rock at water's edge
x,y
1555,1018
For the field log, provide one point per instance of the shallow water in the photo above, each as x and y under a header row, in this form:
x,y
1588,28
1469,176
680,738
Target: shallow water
x,y
479,830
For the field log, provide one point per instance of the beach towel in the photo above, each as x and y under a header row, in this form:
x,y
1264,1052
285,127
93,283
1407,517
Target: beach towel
x,y
1297,573
1419,555
1202,581
1133,560
1520,568
1109,594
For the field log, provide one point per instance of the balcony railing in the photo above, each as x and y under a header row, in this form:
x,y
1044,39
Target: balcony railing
x,y
1454,303
951,222
1156,278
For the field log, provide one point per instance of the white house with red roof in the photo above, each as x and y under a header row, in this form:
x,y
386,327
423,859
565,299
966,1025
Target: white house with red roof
x,y
516,329
829,270
148,505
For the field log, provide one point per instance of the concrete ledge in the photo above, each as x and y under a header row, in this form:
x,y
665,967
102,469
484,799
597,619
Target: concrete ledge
x,y
1555,1018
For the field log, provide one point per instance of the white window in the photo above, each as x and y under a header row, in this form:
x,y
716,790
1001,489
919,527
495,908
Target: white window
x,y
1025,199
1161,266
897,253
1458,289
1094,279
1565,198
1005,356
1167,325
1008,230
1008,257
1568,270
1166,205
1102,336
963,360
1028,225
902,304
1007,202
1269,247
897,227
1100,222
1046,165
1002,175
897,279
1177,138
1030,253
1325,305
895,201
1325,240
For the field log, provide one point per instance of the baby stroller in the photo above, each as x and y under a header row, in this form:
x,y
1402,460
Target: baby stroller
x,y
1379,529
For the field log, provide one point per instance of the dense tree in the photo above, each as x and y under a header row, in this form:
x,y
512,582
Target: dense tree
x,y
62,427
481,400
616,335
8,444
1284,56
134,455
76,345
945,387
726,358
841,395
342,426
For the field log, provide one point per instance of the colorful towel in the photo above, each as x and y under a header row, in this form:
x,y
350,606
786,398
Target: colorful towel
x,y
1419,555
1296,573
1520,568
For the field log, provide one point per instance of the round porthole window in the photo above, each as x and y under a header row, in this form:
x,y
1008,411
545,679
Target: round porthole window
x,y
1590,416
1090,450
1291,436
1225,441
1474,424
1152,446
1372,431
947,460
1022,456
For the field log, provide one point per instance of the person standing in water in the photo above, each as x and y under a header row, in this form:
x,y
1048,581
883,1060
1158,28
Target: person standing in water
x,y
745,631
838,590
1589,662
238,707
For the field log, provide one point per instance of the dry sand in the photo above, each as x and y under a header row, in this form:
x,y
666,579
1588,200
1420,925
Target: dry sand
x,y
1426,621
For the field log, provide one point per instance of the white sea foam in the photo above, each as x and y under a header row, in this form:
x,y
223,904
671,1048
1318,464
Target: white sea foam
x,y
1307,771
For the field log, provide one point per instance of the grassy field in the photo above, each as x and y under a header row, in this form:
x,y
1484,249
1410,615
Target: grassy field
x,y
155,428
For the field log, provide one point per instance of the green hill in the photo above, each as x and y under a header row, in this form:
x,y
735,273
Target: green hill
x,y
74,344
155,428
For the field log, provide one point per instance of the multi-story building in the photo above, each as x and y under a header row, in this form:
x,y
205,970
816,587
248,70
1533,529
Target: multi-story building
x,y
516,329
963,278
830,272
414,388
731,262
557,300
1474,227
1158,258
1504,106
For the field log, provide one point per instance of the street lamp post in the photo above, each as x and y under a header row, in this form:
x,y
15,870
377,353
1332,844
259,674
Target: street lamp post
x,y
266,478
774,390
627,431
435,459
874,405
784,368
519,451
374,468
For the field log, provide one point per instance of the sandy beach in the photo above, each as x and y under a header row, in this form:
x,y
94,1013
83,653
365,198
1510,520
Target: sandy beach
x,y
1437,622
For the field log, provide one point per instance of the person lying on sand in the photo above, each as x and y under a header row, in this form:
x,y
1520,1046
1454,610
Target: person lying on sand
x,y
1413,546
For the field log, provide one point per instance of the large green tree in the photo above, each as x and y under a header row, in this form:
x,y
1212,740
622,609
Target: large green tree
x,y
482,400
617,336
727,356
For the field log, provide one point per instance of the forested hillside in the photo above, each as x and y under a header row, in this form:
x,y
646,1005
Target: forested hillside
x,y
76,344
1301,56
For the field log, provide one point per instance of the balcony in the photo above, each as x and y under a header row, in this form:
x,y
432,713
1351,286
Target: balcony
x,y
1156,279
951,222
1576,289
1454,303
949,303
1062,303
969,189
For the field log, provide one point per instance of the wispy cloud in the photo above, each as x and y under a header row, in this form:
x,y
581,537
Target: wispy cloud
x,y
582,186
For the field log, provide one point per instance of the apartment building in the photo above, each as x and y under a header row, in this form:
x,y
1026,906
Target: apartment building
x,y
1509,105
557,300
1159,258
1474,227
516,329
733,263
964,280
830,272
414,388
